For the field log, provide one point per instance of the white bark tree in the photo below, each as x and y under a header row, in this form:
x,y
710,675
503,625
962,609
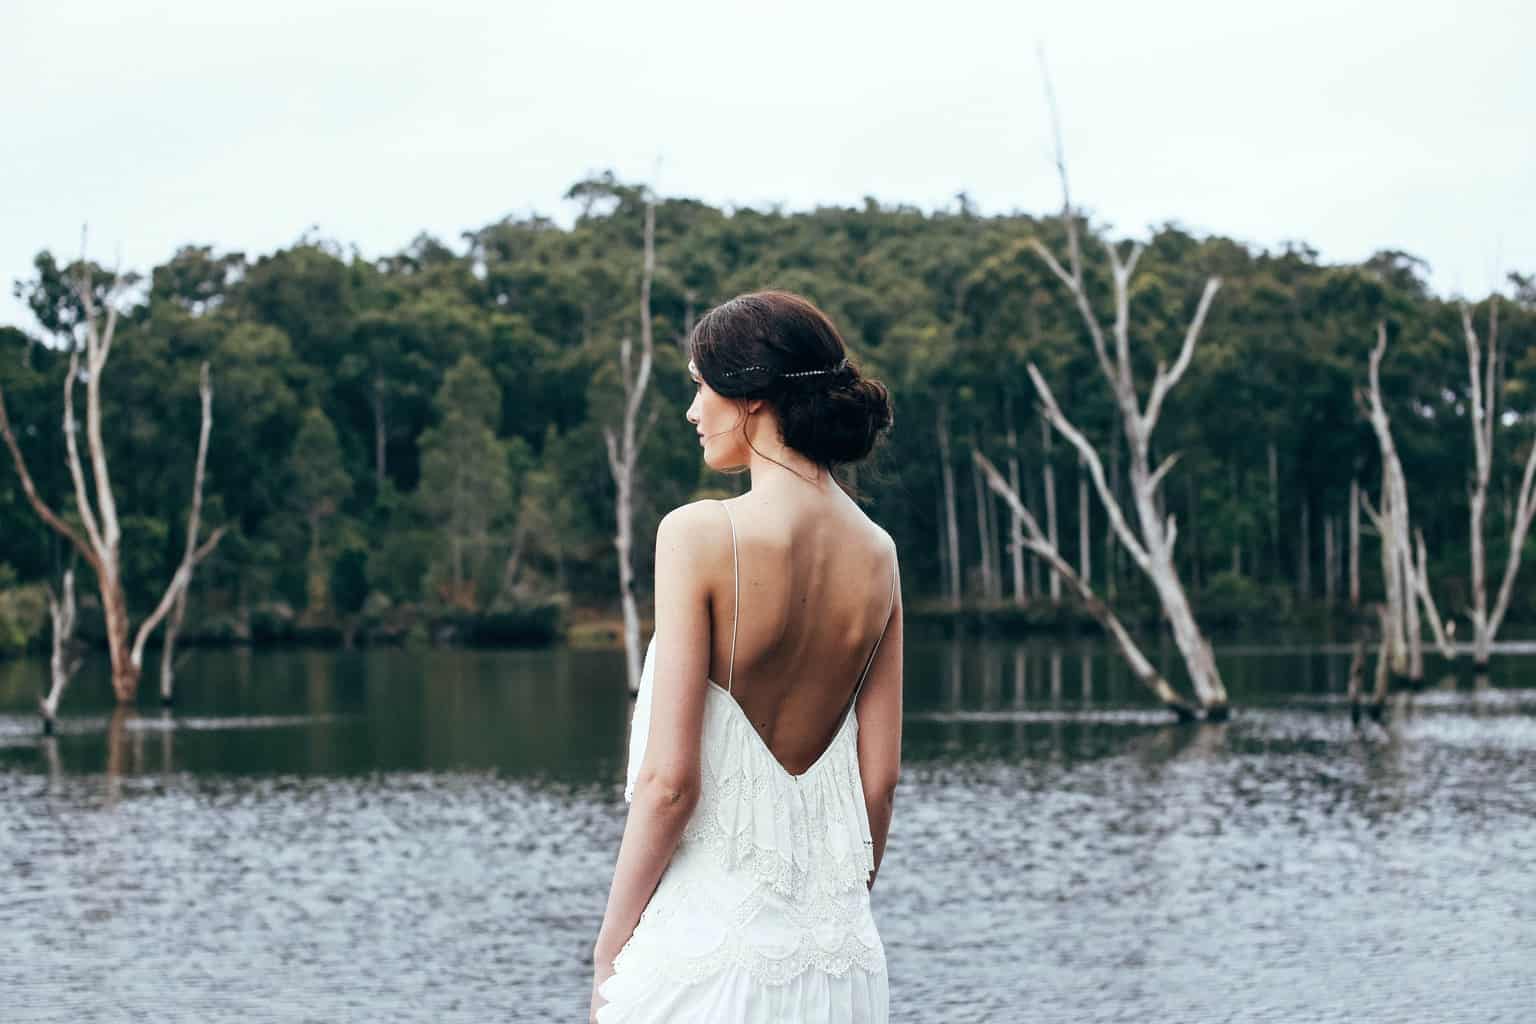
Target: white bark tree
x,y
1482,372
100,542
1152,547
1404,568
66,657
189,552
624,447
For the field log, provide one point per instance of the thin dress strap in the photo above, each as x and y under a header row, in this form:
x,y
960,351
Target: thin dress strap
x,y
889,608
736,604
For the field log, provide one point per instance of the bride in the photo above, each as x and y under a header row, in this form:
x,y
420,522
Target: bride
x,y
766,738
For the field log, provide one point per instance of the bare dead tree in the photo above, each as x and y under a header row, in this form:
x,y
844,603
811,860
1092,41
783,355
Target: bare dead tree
x,y
189,551
1482,373
624,448
1028,535
100,544
1404,569
67,655
1152,548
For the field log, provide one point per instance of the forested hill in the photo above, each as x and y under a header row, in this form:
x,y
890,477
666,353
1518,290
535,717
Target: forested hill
x,y
425,429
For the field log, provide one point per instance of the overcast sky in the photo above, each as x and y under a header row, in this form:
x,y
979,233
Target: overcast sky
x,y
1350,126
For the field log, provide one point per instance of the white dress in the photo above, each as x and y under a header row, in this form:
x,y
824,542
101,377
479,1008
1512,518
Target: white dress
x,y
763,913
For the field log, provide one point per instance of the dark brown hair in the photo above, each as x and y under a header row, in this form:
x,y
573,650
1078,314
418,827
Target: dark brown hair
x,y
744,349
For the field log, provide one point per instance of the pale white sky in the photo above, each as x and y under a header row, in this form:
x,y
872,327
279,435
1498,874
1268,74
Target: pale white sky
x,y
1352,126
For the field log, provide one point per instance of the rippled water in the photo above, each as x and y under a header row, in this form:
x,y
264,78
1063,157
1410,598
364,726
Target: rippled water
x,y
390,836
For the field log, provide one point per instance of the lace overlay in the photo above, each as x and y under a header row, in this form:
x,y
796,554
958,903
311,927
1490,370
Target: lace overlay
x,y
770,879
793,834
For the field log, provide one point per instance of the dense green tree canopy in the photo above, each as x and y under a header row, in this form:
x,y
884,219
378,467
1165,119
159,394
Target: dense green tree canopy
x,y
420,425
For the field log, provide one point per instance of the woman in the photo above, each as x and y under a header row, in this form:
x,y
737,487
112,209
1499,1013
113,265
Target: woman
x,y
767,734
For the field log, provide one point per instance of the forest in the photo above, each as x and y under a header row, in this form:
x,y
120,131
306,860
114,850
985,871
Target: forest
x,y
412,446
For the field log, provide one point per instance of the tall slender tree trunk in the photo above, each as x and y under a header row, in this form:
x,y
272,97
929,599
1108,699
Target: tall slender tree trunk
x,y
1016,550
1273,456
982,532
1112,565
1354,543
624,447
993,544
951,514
940,536
1330,560
1049,476
168,650
317,593
1304,556
380,430
1084,525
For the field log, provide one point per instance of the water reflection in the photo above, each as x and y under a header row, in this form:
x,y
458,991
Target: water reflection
x,y
428,836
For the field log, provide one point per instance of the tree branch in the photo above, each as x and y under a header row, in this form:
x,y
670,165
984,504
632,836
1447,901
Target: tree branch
x,y
1162,471
1095,469
33,498
1164,382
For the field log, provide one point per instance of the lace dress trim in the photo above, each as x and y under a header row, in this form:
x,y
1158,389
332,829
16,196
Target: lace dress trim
x,y
792,833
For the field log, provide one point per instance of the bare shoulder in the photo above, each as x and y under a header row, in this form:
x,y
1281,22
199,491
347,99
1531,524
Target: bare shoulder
x,y
690,522
883,537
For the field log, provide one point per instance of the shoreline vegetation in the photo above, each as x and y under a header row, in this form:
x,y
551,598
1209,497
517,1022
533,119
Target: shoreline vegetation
x,y
556,622
463,443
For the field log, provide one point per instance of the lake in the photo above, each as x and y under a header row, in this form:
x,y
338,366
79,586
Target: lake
x,y
429,836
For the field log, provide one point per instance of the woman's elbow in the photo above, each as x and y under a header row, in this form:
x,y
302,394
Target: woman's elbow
x,y
881,786
668,794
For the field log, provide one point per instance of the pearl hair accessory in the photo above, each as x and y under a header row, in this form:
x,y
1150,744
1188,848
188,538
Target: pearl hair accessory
x,y
797,373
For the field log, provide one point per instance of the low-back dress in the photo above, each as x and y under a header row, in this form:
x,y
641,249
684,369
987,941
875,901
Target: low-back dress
x,y
763,913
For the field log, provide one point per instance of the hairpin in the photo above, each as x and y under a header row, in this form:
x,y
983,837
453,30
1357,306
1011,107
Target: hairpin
x,y
797,373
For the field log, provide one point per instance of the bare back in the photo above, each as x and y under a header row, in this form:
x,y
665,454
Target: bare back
x,y
817,591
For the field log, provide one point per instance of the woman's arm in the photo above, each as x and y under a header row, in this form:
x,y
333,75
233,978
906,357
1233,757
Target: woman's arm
x,y
667,788
879,714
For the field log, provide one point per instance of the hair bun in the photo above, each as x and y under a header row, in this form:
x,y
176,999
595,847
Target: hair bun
x,y
840,423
